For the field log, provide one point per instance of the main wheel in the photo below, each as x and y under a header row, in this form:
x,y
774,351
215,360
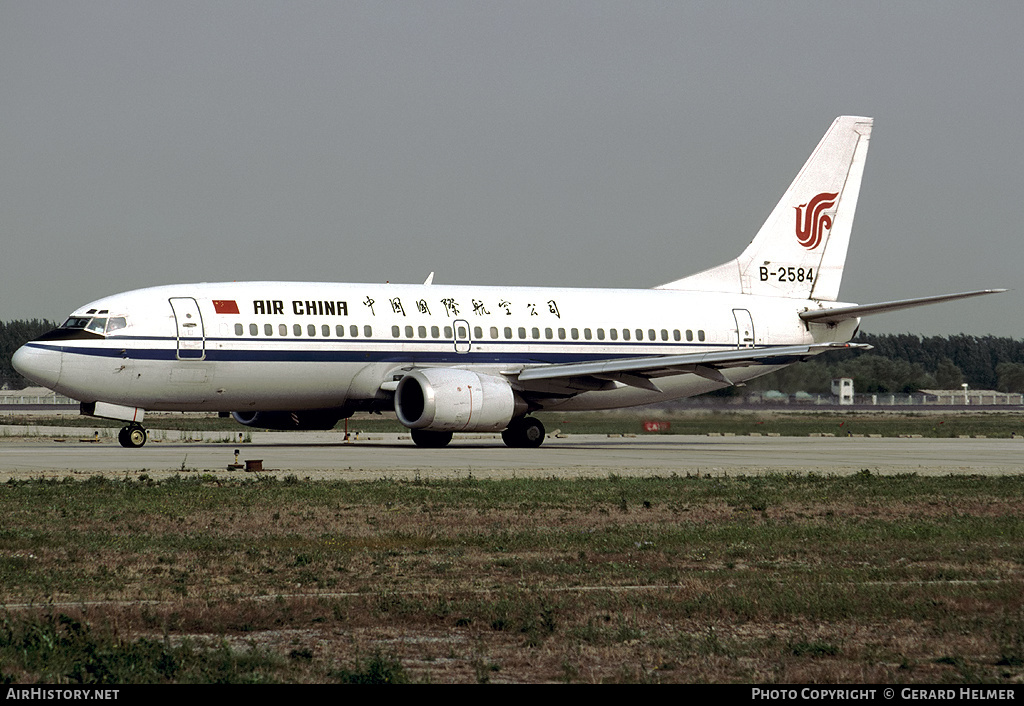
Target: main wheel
x,y
431,439
132,437
524,433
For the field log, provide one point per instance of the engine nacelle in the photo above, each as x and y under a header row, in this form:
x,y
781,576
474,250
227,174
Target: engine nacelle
x,y
306,420
448,399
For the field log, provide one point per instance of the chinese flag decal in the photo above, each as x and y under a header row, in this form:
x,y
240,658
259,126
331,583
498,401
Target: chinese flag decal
x,y
225,306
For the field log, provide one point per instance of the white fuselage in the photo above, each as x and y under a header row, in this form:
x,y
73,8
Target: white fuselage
x,y
299,346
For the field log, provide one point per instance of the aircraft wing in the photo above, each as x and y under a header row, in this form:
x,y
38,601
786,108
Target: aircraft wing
x,y
638,372
842,313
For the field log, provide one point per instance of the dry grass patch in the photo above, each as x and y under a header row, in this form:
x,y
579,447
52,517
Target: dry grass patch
x,y
682,579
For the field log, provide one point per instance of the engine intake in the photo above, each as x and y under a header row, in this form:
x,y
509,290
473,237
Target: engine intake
x,y
448,399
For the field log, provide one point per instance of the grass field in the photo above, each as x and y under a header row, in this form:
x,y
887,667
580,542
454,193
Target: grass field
x,y
929,424
792,579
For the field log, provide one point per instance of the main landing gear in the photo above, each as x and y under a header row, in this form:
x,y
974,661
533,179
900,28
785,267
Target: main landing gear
x,y
132,436
431,439
522,433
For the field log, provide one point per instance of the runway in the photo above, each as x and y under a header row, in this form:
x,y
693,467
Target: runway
x,y
325,455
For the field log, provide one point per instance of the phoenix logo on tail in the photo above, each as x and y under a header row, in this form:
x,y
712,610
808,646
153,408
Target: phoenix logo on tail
x,y
815,222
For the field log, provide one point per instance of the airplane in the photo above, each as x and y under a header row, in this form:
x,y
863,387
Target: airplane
x,y
462,358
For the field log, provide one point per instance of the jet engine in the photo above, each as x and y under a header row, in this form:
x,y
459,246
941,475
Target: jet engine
x,y
448,399
305,420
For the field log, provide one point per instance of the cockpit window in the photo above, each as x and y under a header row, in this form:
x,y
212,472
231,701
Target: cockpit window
x,y
98,324
76,322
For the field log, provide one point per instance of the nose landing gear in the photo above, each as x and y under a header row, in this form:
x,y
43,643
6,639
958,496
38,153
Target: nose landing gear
x,y
132,436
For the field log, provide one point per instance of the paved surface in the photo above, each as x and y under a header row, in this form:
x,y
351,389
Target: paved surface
x,y
62,452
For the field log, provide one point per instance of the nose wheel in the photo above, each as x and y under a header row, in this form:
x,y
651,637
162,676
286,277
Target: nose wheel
x,y
132,436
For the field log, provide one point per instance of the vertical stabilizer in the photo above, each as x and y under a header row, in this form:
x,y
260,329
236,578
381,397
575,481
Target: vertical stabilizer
x,y
801,249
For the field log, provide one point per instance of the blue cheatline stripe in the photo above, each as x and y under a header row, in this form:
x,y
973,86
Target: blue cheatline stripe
x,y
368,355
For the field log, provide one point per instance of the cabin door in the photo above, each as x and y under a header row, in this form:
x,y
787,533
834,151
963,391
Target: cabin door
x,y
744,328
189,323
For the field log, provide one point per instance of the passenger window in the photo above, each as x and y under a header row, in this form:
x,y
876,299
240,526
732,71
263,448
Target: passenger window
x,y
396,331
676,336
575,333
561,334
408,331
478,333
282,329
239,330
689,335
311,330
326,331
422,331
435,332
368,331
340,331
354,331
522,332
508,332
651,336
448,332
268,329
664,334
254,330
494,331
613,333
625,334
700,335
639,334
600,334
549,334
297,330
587,334
535,332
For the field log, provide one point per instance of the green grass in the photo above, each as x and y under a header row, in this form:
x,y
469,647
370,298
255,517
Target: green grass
x,y
57,648
797,423
780,578
800,423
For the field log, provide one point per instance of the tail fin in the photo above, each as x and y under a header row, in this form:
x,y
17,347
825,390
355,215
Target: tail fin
x,y
801,249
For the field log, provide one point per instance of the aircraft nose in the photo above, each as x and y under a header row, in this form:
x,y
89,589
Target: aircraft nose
x,y
40,365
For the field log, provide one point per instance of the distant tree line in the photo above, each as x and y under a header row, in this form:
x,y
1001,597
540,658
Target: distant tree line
x,y
897,363
907,363
13,335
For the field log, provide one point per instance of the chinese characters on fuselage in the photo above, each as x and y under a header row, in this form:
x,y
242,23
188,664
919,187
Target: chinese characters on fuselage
x,y
449,305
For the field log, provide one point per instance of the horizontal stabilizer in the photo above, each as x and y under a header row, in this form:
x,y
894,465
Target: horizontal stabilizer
x,y
834,316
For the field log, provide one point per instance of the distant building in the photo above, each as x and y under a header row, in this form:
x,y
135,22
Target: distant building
x,y
34,396
842,388
971,398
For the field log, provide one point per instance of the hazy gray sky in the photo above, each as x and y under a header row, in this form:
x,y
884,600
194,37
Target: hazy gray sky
x,y
607,144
